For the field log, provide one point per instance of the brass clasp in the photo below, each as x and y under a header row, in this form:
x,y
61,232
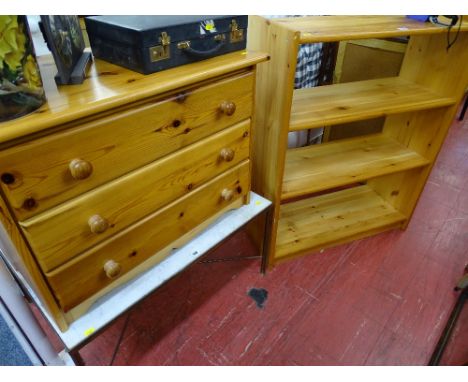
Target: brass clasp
x,y
236,34
163,51
164,39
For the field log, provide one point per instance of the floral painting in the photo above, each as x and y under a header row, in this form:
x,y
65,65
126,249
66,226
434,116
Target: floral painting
x,y
20,82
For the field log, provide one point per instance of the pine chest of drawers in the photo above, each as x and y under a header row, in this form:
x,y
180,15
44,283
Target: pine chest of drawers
x,y
112,174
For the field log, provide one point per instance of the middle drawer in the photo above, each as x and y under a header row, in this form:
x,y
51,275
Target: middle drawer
x,y
61,233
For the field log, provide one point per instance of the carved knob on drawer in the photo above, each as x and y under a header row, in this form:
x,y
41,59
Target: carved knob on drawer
x,y
227,194
228,107
97,224
112,269
227,154
80,169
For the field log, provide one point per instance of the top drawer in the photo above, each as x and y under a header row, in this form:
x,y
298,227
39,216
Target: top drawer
x,y
45,172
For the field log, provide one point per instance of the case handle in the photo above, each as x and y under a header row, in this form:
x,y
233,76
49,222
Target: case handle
x,y
185,47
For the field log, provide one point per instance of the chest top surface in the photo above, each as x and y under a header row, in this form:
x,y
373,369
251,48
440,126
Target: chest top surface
x,y
108,86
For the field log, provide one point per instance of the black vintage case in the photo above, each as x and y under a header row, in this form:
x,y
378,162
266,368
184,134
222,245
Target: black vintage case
x,y
148,44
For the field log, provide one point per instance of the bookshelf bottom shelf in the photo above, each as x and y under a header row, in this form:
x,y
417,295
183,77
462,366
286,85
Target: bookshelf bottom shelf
x,y
322,221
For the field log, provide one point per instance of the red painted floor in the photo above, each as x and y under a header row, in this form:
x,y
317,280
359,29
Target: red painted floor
x,y
377,301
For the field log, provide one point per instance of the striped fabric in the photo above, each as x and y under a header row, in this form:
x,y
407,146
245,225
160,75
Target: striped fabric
x,y
309,59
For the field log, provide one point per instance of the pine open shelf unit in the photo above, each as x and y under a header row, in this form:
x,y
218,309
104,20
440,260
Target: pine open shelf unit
x,y
367,184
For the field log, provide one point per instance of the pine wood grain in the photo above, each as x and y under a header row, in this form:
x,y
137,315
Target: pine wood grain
x,y
59,234
157,128
315,223
81,277
354,101
120,128
316,168
424,132
110,86
80,309
336,28
24,262
273,105
427,88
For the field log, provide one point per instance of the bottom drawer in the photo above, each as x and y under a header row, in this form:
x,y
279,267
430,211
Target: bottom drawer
x,y
85,275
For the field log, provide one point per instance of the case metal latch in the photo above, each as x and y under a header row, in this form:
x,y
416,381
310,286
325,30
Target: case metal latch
x,y
163,51
183,45
236,34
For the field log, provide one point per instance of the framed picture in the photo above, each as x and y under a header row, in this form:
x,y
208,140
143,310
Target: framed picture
x,y
65,40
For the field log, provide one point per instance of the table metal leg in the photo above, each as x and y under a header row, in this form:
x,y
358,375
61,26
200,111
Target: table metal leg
x,y
465,106
446,334
76,357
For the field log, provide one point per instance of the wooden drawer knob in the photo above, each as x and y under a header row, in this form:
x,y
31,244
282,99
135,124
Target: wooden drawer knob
x,y
80,169
227,154
228,107
227,194
97,224
112,269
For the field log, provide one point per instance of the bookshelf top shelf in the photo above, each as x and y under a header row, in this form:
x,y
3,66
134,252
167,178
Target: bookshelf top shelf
x,y
314,29
354,101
